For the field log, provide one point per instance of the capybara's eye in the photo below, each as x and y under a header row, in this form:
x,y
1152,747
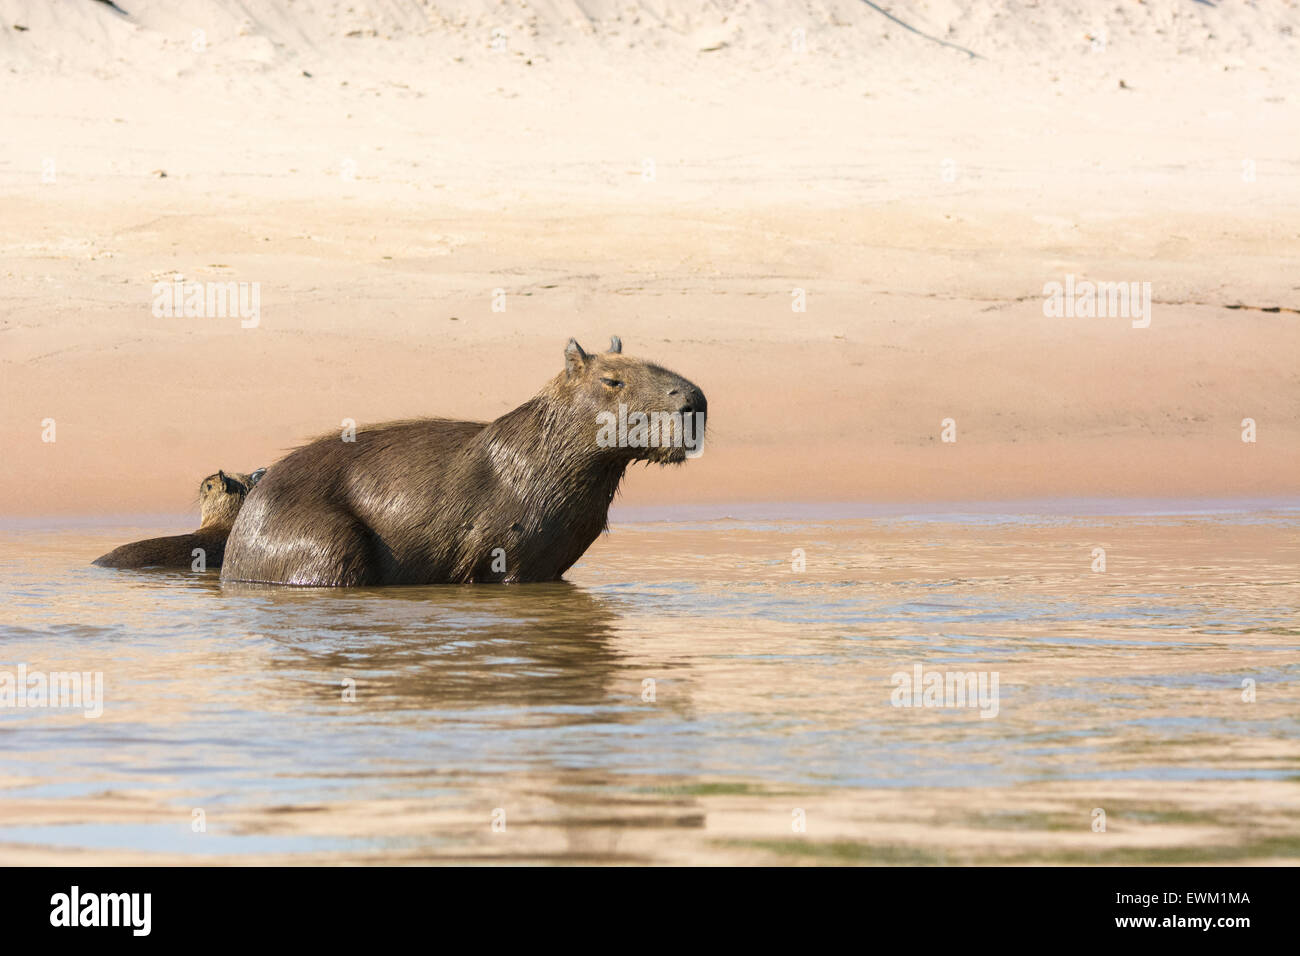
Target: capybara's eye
x,y
612,382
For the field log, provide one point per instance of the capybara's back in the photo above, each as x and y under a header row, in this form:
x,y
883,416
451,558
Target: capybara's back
x,y
172,551
334,512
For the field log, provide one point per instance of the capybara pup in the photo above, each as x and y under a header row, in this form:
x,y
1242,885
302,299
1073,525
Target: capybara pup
x,y
220,497
436,501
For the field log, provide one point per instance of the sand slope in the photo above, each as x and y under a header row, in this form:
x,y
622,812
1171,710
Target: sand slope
x,y
672,173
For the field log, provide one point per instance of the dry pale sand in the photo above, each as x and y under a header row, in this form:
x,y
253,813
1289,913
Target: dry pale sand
x,y
672,176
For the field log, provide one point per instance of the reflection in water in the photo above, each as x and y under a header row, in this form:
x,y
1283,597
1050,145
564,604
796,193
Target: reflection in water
x,y
440,647
678,701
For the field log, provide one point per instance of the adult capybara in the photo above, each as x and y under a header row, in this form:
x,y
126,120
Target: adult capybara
x,y
220,498
436,501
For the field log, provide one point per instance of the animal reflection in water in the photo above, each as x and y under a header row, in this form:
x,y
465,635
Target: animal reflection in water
x,y
443,646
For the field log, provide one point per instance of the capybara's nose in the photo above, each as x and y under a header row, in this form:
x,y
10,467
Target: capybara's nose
x,y
692,400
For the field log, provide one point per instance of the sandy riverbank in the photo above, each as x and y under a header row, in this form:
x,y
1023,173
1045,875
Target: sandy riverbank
x,y
671,177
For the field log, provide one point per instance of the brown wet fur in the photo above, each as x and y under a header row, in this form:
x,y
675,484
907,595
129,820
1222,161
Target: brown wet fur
x,y
429,501
220,497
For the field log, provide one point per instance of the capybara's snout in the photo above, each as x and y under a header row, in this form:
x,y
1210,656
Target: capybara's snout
x,y
691,400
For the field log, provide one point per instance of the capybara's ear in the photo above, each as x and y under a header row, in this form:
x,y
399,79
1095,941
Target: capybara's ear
x,y
233,486
255,477
615,344
574,357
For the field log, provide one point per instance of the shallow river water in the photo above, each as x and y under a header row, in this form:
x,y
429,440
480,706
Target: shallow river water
x,y
698,691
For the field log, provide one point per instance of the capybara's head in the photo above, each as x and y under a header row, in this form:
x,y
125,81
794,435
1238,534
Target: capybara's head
x,y
221,496
637,410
